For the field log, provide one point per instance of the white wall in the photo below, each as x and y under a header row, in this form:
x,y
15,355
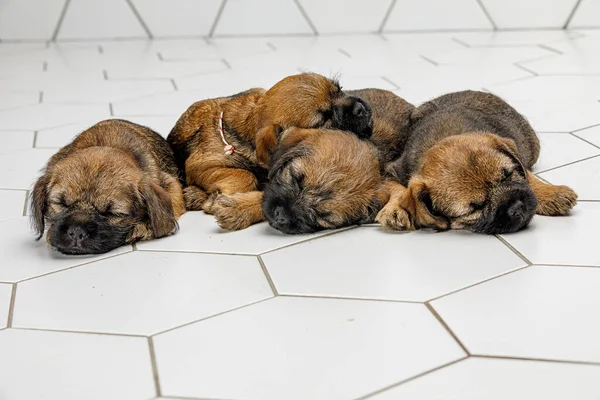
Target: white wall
x,y
101,19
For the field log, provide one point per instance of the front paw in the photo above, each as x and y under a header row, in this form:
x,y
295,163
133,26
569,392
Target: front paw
x,y
230,214
559,202
209,205
394,217
194,198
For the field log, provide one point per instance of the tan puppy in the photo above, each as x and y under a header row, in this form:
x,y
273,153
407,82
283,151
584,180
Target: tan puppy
x,y
466,165
115,184
236,160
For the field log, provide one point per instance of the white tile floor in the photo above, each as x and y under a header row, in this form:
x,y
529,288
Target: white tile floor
x,y
254,314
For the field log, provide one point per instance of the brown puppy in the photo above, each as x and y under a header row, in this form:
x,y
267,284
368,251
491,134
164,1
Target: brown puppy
x,y
325,182
251,122
466,165
115,184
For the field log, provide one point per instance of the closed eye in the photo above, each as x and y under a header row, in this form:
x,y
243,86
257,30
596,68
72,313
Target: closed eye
x,y
506,175
326,115
476,206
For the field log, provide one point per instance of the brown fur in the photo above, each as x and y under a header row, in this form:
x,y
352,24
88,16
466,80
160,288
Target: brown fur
x,y
465,165
117,176
252,121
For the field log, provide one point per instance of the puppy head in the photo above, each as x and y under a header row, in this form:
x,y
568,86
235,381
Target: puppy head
x,y
321,179
97,199
474,182
309,101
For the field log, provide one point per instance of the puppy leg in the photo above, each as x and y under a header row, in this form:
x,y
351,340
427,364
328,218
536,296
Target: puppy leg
x,y
174,189
395,214
552,200
238,211
194,198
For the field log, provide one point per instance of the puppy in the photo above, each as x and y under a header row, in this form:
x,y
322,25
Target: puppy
x,y
224,145
466,165
115,184
325,179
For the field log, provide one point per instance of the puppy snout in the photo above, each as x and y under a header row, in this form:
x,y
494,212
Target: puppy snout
x,y
77,235
359,109
280,217
516,210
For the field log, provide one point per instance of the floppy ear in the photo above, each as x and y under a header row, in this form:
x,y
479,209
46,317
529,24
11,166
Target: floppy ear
x,y
160,209
38,205
508,147
418,200
288,148
266,140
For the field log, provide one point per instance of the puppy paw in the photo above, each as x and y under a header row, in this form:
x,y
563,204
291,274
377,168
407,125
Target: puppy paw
x,y
209,204
194,198
559,200
394,217
230,214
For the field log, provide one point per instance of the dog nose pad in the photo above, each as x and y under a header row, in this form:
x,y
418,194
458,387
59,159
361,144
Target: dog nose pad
x,y
359,109
281,217
516,209
77,234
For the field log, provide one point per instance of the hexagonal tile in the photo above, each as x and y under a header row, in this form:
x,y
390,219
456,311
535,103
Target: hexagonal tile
x,y
106,296
26,19
13,203
41,116
13,99
592,134
23,257
532,14
517,38
107,91
583,177
358,16
586,15
539,312
20,169
164,69
494,379
397,266
5,295
15,140
200,233
487,55
71,366
302,349
561,240
550,90
559,149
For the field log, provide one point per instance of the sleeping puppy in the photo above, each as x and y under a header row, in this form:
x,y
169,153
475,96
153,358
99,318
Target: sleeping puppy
x,y
325,179
224,145
115,184
466,165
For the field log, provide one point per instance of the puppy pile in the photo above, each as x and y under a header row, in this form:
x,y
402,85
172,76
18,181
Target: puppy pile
x,y
305,156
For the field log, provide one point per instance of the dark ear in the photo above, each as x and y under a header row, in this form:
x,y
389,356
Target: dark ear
x,y
38,204
508,147
288,148
266,140
420,202
159,208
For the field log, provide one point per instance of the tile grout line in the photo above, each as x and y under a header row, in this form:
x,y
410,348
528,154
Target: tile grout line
x,y
549,360
212,316
513,249
213,27
138,16
74,266
386,16
226,63
585,140
25,205
487,15
478,283
197,252
529,71
11,308
310,296
267,276
391,82
549,48
306,17
154,367
25,328
345,53
447,328
429,60
571,14
309,239
462,43
571,163
567,266
41,97
412,378
110,109
174,84
61,18
583,129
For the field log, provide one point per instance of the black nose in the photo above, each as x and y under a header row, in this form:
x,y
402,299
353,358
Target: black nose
x,y
359,109
516,209
280,216
77,235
